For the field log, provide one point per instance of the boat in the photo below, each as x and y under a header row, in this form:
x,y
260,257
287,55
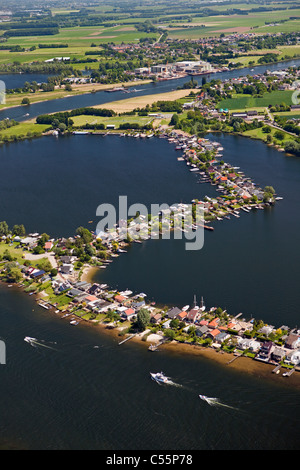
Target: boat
x,y
208,400
159,377
29,340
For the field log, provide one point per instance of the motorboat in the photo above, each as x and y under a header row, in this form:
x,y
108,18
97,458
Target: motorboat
x,y
159,377
29,340
208,400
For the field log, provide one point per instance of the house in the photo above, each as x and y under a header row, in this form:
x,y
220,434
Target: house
x,y
293,358
36,274
95,289
266,330
292,341
67,259
173,312
156,318
202,330
278,354
74,292
128,314
181,316
82,285
214,323
48,246
213,333
91,298
221,337
193,315
120,298
248,343
265,351
138,305
166,324
66,268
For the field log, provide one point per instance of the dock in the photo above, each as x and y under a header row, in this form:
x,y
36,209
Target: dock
x,y
235,357
289,373
154,347
127,339
276,370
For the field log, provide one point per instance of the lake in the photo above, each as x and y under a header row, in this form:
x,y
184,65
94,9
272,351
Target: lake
x,y
77,388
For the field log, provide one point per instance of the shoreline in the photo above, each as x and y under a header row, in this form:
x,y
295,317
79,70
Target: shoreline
x,y
244,365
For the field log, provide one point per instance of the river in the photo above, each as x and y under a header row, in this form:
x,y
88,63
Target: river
x,y
21,113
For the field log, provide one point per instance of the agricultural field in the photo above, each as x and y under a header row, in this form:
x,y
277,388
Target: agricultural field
x,y
228,24
79,40
240,101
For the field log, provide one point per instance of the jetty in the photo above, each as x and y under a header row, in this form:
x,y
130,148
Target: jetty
x,y
127,339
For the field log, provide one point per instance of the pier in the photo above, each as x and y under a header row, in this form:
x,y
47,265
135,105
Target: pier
x,y
127,339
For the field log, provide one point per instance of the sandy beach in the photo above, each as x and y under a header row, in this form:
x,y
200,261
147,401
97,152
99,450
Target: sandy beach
x,y
88,274
130,104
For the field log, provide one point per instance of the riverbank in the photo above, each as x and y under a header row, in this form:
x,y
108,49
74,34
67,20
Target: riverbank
x,y
130,104
15,100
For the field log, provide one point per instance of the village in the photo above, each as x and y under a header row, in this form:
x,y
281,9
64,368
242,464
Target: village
x,y
196,324
59,283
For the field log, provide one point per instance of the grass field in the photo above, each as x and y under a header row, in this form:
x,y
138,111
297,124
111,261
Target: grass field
x,y
23,129
239,101
80,121
259,134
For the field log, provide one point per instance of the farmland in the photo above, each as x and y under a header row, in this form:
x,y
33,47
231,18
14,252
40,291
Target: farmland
x,y
244,101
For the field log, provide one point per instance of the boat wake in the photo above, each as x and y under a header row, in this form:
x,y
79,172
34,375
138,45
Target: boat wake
x,y
212,401
162,379
37,343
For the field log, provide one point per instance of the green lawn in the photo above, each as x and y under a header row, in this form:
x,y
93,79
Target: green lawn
x,y
240,101
259,134
80,121
23,129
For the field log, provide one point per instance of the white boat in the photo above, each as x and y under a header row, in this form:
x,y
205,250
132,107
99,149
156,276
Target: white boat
x,y
208,400
159,377
185,308
29,340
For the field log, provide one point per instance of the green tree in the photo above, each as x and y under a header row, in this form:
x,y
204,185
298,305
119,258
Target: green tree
x,y
19,230
84,234
143,319
3,228
13,272
25,101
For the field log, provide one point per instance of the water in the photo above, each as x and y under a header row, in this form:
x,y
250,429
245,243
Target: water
x,y
17,80
248,265
101,97
87,392
76,388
